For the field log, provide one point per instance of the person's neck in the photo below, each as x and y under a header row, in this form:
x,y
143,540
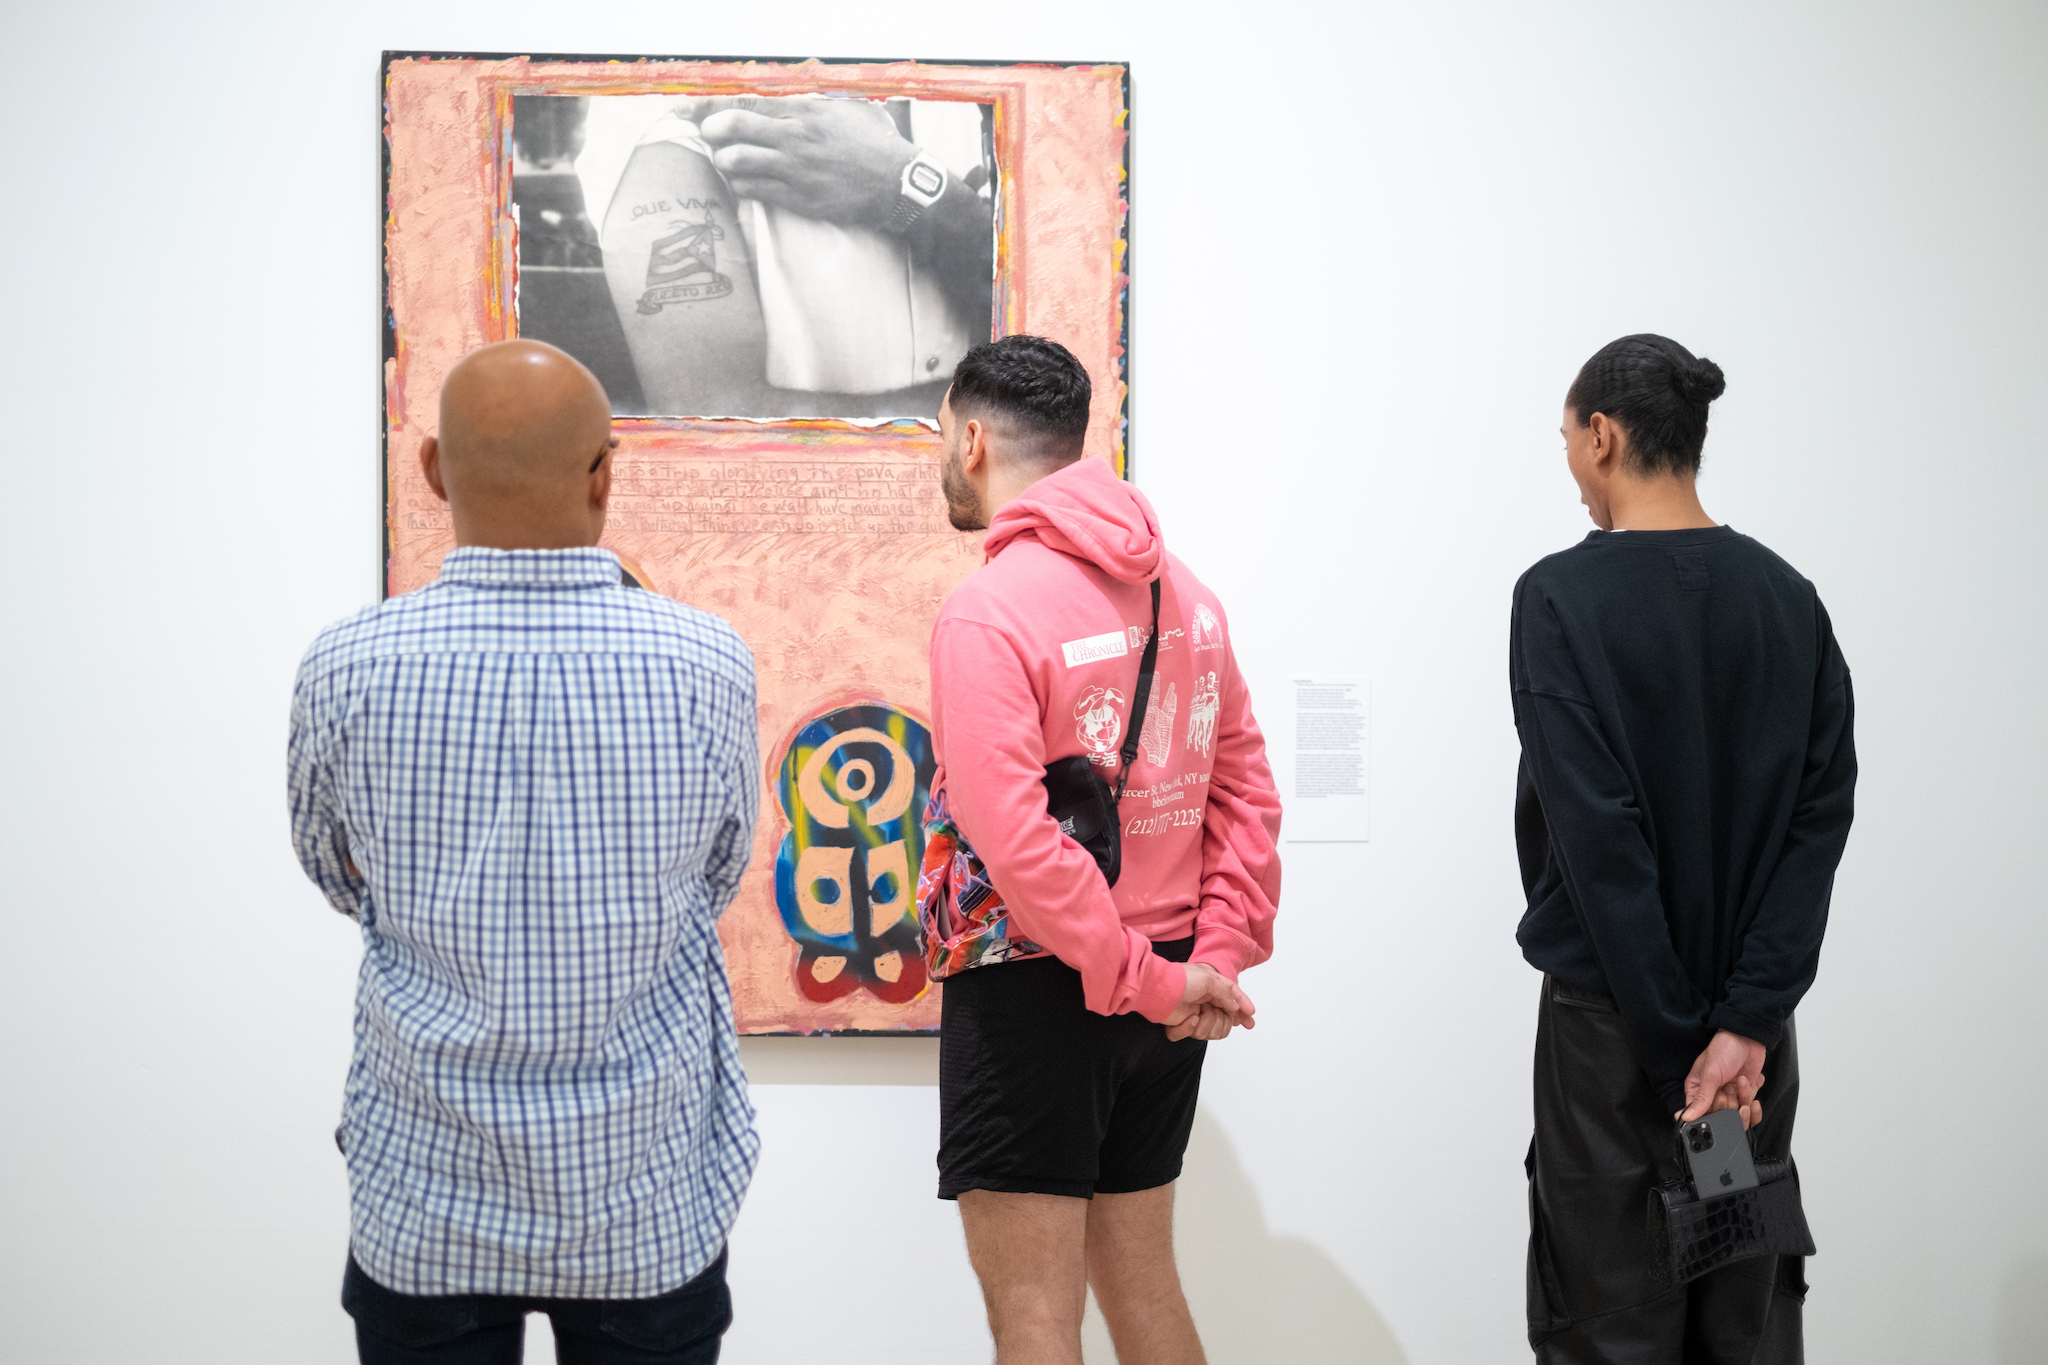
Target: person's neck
x,y
1005,486
1670,502
497,536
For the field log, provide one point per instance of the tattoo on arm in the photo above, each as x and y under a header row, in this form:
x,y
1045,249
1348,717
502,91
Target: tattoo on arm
x,y
682,267
677,269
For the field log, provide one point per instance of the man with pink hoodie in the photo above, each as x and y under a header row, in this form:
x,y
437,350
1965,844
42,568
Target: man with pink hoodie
x,y
1076,1011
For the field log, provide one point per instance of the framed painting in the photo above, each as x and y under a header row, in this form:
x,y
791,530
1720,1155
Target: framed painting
x,y
773,266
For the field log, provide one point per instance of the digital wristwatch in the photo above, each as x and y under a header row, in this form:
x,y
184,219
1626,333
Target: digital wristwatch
x,y
923,182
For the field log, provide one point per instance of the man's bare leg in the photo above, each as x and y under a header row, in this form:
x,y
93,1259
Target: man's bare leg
x,y
1030,1251
1137,1285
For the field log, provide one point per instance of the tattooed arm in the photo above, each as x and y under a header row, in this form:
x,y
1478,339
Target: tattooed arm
x,y
682,279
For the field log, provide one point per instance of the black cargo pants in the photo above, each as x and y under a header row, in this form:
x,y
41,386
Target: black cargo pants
x,y
1603,1140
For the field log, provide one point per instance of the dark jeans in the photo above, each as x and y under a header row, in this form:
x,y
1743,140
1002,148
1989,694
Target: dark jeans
x,y
1603,1140
681,1327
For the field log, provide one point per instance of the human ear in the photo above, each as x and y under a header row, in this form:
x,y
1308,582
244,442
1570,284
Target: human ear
x,y
430,465
1606,443
974,447
601,488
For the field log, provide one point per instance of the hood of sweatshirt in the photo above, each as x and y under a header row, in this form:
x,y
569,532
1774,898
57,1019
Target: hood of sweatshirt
x,y
1086,511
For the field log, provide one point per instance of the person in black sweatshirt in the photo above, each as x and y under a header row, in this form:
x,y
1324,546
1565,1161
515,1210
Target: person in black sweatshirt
x,y
1686,787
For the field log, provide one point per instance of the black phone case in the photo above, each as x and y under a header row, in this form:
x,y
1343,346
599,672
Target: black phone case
x,y
1718,1150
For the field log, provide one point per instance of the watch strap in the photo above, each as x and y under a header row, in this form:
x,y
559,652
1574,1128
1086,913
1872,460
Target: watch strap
x,y
906,212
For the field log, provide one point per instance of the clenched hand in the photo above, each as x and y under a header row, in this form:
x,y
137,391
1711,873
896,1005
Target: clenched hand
x,y
1210,1005
1726,1076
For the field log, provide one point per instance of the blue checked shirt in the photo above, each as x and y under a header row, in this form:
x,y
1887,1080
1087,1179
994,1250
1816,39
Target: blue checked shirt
x,y
535,789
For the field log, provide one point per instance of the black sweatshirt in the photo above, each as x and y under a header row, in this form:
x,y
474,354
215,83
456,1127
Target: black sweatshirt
x,y
1687,781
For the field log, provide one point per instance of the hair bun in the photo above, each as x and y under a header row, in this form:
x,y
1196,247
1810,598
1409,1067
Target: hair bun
x,y
1699,382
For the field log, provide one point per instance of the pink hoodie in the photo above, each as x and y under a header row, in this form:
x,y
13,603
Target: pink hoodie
x,y
1034,659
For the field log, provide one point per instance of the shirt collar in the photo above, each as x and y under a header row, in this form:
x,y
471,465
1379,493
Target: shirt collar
x,y
585,566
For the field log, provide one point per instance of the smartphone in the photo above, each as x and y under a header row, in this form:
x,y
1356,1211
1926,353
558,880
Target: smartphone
x,y
1719,1152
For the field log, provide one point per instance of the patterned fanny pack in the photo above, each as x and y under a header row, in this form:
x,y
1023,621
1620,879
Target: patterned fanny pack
x,y
965,922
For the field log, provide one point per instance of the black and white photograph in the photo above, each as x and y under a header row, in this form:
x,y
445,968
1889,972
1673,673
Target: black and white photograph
x,y
759,257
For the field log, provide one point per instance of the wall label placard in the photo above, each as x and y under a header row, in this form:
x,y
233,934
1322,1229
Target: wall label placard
x,y
1326,794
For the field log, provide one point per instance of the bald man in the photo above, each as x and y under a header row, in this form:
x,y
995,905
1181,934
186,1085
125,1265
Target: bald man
x,y
534,787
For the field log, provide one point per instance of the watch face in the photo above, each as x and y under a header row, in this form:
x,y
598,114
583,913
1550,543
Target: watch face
x,y
925,178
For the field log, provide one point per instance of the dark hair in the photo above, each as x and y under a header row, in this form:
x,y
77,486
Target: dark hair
x,y
1657,391
1035,386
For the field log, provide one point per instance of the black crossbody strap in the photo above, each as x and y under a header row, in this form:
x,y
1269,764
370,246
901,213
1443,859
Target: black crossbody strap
x,y
1142,696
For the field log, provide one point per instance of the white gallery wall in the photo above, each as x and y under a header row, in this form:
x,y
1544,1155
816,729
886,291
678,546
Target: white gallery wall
x,y
1372,244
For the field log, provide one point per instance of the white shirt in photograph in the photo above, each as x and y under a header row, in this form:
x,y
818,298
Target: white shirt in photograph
x,y
847,309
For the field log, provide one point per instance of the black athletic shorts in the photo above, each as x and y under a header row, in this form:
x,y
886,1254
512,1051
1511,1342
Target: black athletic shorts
x,y
1037,1095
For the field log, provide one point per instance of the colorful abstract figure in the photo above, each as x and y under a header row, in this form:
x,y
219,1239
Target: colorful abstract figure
x,y
853,786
